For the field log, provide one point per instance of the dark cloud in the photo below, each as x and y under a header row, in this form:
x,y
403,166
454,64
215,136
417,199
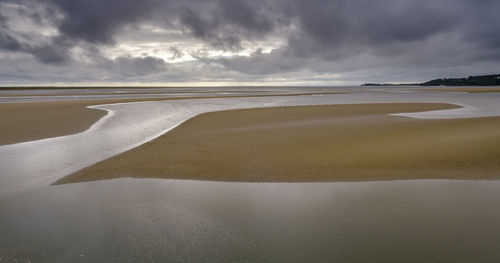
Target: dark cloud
x,y
314,36
483,24
246,14
90,21
97,21
133,67
338,28
344,35
52,53
176,53
7,42
225,23
373,22
206,29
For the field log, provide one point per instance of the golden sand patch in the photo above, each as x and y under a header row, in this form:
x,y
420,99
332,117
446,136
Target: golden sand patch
x,y
38,120
32,121
313,143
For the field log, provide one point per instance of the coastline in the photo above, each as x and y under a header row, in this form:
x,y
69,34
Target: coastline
x,y
468,90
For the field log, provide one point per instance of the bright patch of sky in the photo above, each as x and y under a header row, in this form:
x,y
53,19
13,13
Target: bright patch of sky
x,y
173,46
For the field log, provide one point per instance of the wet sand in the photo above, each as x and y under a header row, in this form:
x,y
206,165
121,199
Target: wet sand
x,y
32,121
27,121
313,143
468,90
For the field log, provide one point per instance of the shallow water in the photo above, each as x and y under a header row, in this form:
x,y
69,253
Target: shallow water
x,y
46,95
148,220
130,220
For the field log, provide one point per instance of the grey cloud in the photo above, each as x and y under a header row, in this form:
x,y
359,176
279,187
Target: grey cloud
x,y
122,67
345,35
47,53
176,53
278,61
318,36
132,67
54,52
6,40
225,23
97,21
483,24
369,22
246,14
50,54
337,28
90,21
205,28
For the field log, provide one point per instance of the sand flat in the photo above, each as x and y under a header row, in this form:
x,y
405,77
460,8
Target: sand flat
x,y
313,143
27,121
468,90
32,121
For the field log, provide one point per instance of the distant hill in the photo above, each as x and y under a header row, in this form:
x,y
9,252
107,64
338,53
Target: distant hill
x,y
486,80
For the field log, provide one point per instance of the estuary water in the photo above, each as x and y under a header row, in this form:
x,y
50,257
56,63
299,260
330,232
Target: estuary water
x,y
151,220
131,220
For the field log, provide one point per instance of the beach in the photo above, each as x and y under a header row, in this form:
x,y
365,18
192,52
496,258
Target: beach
x,y
32,121
466,89
313,143
249,131
28,121
320,171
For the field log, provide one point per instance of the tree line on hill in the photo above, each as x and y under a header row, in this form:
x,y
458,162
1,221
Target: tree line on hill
x,y
485,80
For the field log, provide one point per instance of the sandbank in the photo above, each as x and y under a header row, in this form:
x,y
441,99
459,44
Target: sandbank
x,y
32,121
27,121
468,90
311,144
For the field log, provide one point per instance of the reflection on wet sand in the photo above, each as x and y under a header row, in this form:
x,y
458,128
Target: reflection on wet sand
x,y
131,220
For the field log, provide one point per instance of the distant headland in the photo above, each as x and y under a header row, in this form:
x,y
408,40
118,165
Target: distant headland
x,y
485,80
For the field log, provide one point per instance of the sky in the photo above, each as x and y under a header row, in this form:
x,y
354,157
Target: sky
x,y
245,42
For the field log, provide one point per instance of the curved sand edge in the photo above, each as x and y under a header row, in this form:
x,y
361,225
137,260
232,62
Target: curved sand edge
x,y
24,122
313,143
31,121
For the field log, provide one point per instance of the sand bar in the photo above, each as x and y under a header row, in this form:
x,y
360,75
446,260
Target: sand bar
x,y
31,121
27,121
313,143
133,124
468,90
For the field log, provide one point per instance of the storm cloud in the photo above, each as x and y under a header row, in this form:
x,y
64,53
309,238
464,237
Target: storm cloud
x,y
295,41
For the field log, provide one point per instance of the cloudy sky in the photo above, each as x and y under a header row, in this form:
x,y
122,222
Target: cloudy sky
x,y
246,42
